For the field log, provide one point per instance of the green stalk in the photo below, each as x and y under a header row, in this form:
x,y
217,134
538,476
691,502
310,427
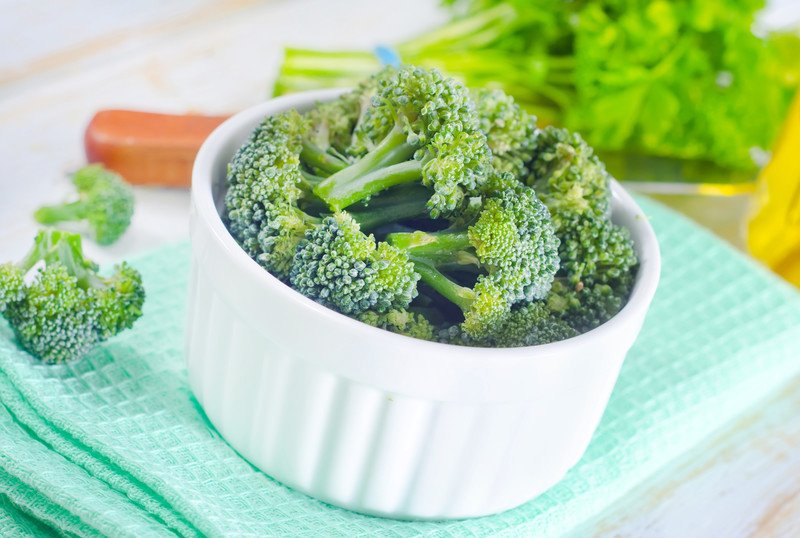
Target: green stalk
x,y
402,204
59,213
455,293
440,248
321,160
372,173
429,244
463,31
341,195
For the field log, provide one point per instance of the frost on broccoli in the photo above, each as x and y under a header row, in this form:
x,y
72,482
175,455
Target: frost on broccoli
x,y
66,308
105,202
339,266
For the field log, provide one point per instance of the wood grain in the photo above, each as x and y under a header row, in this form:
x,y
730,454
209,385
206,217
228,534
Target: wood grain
x,y
743,481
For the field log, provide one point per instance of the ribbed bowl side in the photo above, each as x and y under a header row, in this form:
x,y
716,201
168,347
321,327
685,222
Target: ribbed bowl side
x,y
367,449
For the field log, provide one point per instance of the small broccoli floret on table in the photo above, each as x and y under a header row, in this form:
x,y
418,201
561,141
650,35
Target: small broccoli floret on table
x,y
339,266
403,322
105,202
510,131
416,113
66,308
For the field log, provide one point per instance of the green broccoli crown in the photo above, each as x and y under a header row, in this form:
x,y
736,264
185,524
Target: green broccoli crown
x,y
488,308
12,285
419,101
456,164
536,261
332,122
67,308
264,172
416,113
595,250
400,321
284,228
510,131
532,324
339,266
584,307
105,202
568,176
511,239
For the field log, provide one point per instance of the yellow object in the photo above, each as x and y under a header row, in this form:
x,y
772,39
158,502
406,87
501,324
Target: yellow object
x,y
773,231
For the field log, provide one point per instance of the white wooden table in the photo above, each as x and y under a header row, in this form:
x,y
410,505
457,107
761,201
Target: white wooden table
x,y
60,61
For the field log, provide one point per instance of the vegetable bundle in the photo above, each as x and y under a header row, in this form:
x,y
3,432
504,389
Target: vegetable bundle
x,y
417,206
686,79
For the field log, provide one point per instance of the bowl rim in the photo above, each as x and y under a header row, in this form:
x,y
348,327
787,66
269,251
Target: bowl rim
x,y
205,209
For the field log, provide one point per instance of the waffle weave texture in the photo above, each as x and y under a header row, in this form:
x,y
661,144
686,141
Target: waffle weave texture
x,y
115,444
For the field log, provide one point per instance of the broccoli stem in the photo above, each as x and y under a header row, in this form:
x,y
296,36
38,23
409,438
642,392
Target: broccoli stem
x,y
402,204
381,168
319,159
59,213
459,295
64,248
439,248
339,195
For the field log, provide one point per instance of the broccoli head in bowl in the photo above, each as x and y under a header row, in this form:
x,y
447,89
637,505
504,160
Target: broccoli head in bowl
x,y
417,206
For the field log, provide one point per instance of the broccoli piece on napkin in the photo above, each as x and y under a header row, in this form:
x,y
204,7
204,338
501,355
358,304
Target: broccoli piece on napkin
x,y
57,303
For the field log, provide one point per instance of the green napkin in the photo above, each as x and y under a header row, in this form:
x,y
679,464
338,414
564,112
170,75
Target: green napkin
x,y
115,444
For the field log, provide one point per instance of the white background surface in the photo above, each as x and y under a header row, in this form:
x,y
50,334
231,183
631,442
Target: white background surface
x,y
61,61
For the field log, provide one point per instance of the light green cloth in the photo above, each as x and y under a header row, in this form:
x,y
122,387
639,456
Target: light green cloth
x,y
115,444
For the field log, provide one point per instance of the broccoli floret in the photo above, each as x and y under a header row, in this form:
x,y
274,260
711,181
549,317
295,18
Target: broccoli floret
x,y
568,176
511,239
105,202
574,185
511,243
595,250
67,308
264,189
339,266
510,131
419,113
532,324
403,322
584,307
333,122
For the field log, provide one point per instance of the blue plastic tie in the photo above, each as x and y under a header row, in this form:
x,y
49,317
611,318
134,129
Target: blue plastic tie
x,y
387,55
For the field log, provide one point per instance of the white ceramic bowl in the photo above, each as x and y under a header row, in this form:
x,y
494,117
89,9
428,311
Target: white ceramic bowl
x,y
377,422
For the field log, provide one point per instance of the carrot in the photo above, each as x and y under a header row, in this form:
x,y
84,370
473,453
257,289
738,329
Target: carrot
x,y
147,148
